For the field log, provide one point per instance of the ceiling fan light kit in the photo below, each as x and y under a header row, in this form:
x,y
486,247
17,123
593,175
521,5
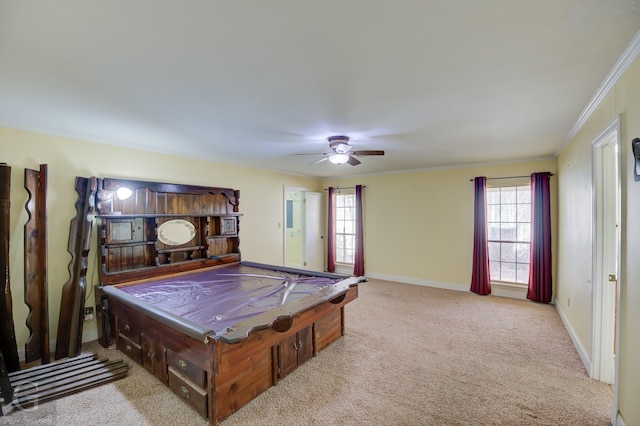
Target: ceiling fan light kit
x,y
341,152
338,158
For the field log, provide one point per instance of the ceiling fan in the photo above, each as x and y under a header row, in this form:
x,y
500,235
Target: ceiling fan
x,y
341,152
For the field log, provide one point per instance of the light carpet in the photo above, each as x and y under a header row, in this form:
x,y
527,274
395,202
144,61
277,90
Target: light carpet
x,y
411,355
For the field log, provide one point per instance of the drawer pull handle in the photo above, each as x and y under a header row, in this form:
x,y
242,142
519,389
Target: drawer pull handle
x,y
128,348
182,365
185,392
127,328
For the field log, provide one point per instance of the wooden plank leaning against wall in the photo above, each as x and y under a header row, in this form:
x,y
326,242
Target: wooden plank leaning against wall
x,y
8,344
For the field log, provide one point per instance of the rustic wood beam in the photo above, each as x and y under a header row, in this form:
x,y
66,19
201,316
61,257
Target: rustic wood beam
x,y
8,345
35,266
6,390
69,340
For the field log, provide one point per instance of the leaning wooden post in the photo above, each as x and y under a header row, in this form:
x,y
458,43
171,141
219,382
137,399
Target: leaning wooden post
x,y
69,341
35,266
8,344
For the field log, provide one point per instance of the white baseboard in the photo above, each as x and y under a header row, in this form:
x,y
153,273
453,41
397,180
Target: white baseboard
x,y
586,361
620,421
497,289
90,336
416,281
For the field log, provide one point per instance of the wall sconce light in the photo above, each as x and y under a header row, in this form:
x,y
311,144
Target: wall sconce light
x,y
105,198
635,147
122,193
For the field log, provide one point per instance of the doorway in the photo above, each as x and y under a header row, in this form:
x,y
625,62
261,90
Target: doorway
x,y
606,252
303,240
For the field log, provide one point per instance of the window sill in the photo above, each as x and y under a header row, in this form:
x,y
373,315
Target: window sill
x,y
344,268
510,290
508,284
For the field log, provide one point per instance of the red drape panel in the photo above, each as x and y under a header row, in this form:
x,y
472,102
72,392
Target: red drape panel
x,y
480,278
331,236
540,264
358,264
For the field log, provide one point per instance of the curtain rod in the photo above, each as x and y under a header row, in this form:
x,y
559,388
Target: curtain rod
x,y
509,177
345,187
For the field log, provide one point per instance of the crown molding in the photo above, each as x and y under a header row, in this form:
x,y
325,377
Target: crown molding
x,y
626,59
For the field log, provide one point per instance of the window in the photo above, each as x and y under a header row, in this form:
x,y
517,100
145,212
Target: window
x,y
345,227
509,228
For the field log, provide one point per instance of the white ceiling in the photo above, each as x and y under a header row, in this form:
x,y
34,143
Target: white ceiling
x,y
434,83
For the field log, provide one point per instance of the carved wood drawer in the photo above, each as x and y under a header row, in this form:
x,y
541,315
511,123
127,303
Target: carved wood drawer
x,y
130,348
125,328
186,368
188,391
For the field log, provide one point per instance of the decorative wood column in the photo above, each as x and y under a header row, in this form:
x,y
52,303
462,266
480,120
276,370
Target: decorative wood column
x,y
8,344
69,341
35,266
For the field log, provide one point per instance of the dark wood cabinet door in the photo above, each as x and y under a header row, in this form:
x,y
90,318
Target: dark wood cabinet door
x,y
288,355
294,351
305,345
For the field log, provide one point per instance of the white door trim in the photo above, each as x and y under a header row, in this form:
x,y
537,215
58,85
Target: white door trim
x,y
602,300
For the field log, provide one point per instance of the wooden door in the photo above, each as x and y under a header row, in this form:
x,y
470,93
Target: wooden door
x,y
314,246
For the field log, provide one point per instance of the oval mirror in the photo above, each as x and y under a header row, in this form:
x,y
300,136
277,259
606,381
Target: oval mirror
x,y
176,232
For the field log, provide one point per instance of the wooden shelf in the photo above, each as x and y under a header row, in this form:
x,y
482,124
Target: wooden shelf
x,y
129,244
137,238
222,256
151,215
137,269
179,249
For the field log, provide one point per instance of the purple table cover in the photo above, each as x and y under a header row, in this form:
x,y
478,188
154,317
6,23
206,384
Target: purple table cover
x,y
222,297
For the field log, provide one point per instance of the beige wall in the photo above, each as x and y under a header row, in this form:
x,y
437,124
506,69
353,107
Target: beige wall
x,y
261,200
575,224
419,226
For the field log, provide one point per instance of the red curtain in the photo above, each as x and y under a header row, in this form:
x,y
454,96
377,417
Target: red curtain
x,y
540,264
331,236
358,264
480,278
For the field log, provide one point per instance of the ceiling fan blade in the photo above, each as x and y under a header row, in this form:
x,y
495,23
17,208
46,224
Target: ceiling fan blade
x,y
367,152
312,153
353,160
319,161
